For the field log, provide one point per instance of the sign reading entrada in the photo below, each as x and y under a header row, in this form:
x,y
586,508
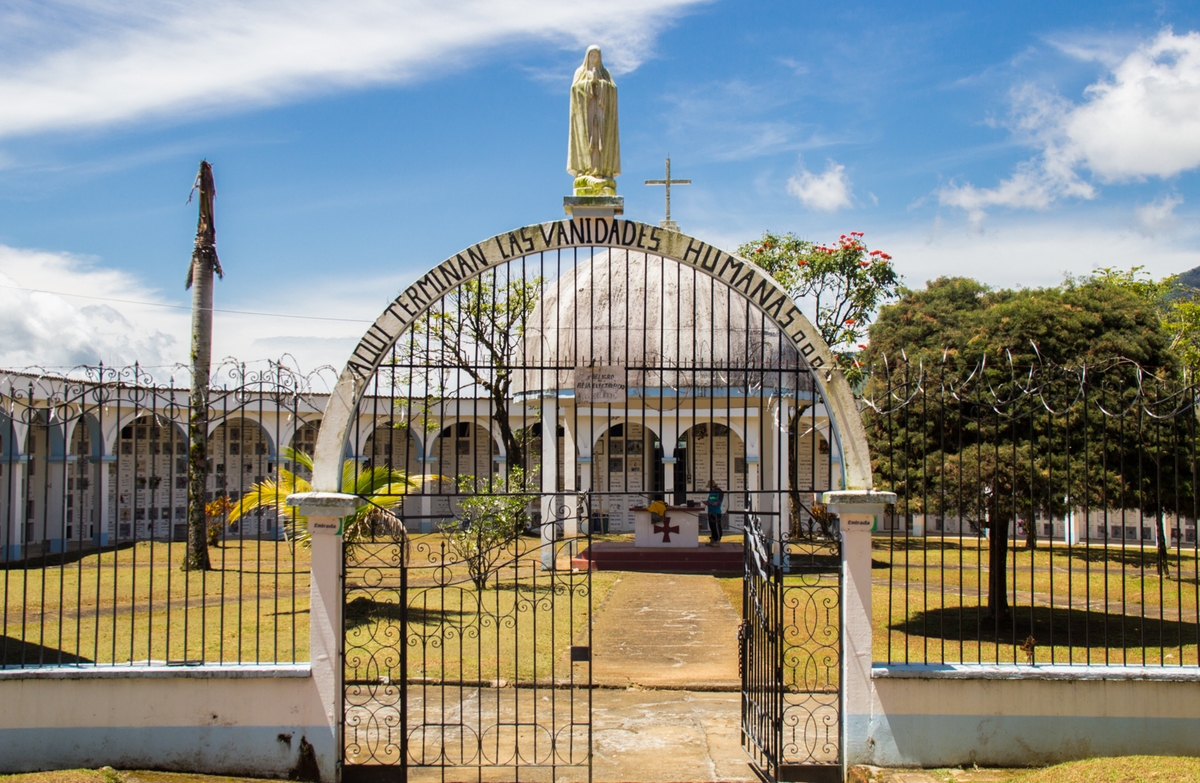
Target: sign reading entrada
x,y
739,274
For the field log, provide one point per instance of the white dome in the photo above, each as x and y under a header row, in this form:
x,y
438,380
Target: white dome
x,y
671,325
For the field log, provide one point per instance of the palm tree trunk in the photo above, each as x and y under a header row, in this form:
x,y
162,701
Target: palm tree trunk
x,y
202,299
200,280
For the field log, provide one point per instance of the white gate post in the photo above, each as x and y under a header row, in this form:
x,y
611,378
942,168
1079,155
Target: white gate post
x,y
859,512
324,511
550,498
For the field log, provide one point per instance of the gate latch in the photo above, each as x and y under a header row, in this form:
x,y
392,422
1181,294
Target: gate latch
x,y
580,653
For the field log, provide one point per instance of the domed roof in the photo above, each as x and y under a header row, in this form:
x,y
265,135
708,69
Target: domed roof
x,y
671,325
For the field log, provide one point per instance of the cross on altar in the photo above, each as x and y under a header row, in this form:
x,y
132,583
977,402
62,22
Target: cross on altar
x,y
666,528
668,182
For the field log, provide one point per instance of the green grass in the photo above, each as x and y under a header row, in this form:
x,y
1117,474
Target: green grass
x,y
134,604
1109,604
1126,769
517,629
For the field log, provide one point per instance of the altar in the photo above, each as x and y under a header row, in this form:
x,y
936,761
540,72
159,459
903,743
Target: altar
x,y
679,528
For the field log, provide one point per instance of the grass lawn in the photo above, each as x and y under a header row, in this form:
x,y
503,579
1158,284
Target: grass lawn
x,y
1127,769
1081,604
135,604
518,628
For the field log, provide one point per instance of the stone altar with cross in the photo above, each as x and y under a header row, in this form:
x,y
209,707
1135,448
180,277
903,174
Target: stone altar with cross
x,y
679,528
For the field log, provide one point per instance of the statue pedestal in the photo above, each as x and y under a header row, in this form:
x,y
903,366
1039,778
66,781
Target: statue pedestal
x,y
594,206
680,529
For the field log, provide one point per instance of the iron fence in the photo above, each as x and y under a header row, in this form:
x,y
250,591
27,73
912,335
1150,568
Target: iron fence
x,y
94,521
1045,514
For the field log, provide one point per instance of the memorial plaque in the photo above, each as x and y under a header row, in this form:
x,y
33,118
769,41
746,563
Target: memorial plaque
x,y
600,384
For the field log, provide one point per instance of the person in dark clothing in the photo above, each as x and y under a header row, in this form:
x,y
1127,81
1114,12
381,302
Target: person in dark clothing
x,y
716,499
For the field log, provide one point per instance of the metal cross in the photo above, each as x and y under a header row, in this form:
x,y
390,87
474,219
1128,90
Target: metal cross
x,y
668,182
666,529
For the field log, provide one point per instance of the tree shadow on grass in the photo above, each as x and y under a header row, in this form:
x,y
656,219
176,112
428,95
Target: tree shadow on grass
x,y
59,559
1136,557
15,653
1059,627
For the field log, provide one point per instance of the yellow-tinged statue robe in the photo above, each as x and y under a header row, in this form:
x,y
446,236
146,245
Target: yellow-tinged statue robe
x,y
594,148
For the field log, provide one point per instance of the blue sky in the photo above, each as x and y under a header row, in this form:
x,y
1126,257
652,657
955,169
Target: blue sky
x,y
355,147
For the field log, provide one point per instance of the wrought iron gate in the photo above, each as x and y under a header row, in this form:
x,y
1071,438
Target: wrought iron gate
x,y
792,651
505,409
458,673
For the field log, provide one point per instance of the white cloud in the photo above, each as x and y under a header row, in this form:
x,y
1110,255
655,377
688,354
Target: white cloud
x,y
1143,120
50,330
1159,215
825,192
58,311
1033,252
116,62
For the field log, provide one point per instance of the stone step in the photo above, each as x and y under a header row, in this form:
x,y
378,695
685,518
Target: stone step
x,y
622,556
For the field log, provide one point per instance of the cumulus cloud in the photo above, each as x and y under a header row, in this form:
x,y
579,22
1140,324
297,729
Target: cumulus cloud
x,y
1033,251
52,330
73,63
59,311
1140,121
1159,215
826,192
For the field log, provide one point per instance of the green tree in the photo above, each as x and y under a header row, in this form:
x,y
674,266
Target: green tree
x,y
380,488
472,339
979,411
492,515
847,283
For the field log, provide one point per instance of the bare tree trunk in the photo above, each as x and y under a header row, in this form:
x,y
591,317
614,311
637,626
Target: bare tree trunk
x,y
200,280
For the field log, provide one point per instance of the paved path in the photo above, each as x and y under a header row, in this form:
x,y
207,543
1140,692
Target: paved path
x,y
671,631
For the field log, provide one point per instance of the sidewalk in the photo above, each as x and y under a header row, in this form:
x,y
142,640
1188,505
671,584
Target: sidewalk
x,y
670,631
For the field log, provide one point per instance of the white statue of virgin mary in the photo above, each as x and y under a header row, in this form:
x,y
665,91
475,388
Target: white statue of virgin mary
x,y
594,148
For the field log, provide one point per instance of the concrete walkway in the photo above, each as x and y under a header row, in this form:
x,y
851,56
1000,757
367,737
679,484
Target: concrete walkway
x,y
668,631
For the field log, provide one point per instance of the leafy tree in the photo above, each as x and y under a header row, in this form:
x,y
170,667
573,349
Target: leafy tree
x,y
985,418
492,516
381,489
474,336
847,283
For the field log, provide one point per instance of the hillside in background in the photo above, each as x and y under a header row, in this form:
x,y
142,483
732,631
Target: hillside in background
x,y
1191,277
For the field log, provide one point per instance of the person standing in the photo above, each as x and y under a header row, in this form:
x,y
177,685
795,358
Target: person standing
x,y
714,503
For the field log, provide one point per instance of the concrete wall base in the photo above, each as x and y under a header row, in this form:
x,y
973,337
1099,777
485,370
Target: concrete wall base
x,y
1004,720
226,720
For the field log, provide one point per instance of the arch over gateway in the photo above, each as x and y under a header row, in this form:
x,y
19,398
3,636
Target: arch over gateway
x,y
736,273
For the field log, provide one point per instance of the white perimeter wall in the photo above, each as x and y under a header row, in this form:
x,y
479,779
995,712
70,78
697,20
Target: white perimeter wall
x,y
246,720
1013,716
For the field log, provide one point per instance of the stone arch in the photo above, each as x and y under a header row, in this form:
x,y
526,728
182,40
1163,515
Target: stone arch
x,y
736,273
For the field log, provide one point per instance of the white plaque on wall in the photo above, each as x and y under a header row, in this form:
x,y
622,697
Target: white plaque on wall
x,y
600,384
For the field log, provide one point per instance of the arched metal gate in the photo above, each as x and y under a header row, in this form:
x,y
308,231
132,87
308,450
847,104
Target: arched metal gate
x,y
514,411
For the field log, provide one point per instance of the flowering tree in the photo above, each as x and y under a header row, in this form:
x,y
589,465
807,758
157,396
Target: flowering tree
x,y
846,281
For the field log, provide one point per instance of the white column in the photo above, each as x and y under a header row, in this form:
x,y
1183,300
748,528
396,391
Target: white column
x,y
859,511
782,524
324,511
570,491
550,500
